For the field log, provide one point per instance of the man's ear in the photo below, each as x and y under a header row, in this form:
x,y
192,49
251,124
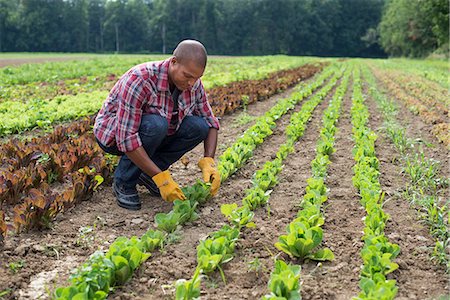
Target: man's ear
x,y
174,60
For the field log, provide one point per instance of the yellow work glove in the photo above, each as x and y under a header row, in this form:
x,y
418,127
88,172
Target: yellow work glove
x,y
169,189
210,173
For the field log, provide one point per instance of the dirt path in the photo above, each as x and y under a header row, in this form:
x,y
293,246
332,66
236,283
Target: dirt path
x,y
180,259
45,258
404,226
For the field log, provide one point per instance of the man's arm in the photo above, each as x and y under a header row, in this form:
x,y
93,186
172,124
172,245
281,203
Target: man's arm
x,y
141,159
211,142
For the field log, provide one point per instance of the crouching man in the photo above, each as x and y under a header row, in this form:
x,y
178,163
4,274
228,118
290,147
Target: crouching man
x,y
154,114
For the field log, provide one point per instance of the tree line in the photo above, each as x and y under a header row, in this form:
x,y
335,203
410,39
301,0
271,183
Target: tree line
x,y
228,27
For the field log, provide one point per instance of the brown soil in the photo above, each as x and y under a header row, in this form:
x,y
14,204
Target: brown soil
x,y
404,227
255,243
343,226
48,256
58,249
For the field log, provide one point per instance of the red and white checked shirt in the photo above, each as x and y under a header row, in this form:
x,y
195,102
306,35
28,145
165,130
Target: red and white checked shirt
x,y
144,89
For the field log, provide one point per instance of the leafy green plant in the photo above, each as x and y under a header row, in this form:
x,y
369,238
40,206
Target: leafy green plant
x,y
198,192
300,241
127,255
186,210
284,282
376,289
188,289
92,280
153,239
16,266
238,217
168,222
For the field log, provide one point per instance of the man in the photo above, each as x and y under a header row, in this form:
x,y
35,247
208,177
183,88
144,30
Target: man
x,y
154,114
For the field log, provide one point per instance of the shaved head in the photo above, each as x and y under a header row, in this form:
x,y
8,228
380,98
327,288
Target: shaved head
x,y
191,51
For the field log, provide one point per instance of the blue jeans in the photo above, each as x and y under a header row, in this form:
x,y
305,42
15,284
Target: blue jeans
x,y
162,149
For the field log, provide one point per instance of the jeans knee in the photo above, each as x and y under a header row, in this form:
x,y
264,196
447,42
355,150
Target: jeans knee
x,y
194,127
153,126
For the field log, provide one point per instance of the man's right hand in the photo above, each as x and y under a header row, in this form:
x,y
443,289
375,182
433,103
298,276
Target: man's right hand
x,y
170,191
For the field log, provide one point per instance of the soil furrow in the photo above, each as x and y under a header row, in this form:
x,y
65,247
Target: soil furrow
x,y
343,226
64,247
256,246
404,227
180,260
419,131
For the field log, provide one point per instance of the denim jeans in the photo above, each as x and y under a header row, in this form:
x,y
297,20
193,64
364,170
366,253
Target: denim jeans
x,y
162,149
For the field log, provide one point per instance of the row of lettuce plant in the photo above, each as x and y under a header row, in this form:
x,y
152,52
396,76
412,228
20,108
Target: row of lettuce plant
x,y
16,116
377,253
304,234
426,189
433,70
220,71
219,247
31,167
102,271
37,157
431,112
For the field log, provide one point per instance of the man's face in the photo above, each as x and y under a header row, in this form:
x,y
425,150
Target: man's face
x,y
184,75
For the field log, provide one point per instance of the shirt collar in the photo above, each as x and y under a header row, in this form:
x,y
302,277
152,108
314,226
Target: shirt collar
x,y
163,76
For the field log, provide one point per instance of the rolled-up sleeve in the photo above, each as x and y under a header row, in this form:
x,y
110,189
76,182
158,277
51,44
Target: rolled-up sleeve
x,y
203,108
129,114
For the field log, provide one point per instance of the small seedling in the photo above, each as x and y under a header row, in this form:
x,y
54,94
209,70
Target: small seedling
x,y
16,266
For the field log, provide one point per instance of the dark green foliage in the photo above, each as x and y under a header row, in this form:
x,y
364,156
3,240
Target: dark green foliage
x,y
237,27
414,28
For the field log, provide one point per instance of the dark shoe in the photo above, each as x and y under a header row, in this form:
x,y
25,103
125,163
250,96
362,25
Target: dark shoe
x,y
127,198
148,182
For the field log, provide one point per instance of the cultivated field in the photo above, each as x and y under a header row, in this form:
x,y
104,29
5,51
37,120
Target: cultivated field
x,y
335,185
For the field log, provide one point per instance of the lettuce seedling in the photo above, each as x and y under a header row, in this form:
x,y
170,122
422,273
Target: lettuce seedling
x,y
198,192
153,239
167,222
188,289
284,282
239,217
186,209
301,240
93,280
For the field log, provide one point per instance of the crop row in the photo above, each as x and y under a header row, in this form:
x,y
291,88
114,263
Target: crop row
x,y
429,114
101,272
28,169
57,157
219,247
426,186
16,116
377,253
416,86
304,234
41,161
220,72
434,70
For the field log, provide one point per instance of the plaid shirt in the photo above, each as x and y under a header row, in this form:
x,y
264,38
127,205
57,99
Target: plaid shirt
x,y
144,89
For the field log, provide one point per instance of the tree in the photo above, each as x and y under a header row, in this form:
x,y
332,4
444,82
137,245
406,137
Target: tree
x,y
414,27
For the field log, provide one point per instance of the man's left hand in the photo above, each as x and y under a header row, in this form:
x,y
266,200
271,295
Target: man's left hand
x,y
210,173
